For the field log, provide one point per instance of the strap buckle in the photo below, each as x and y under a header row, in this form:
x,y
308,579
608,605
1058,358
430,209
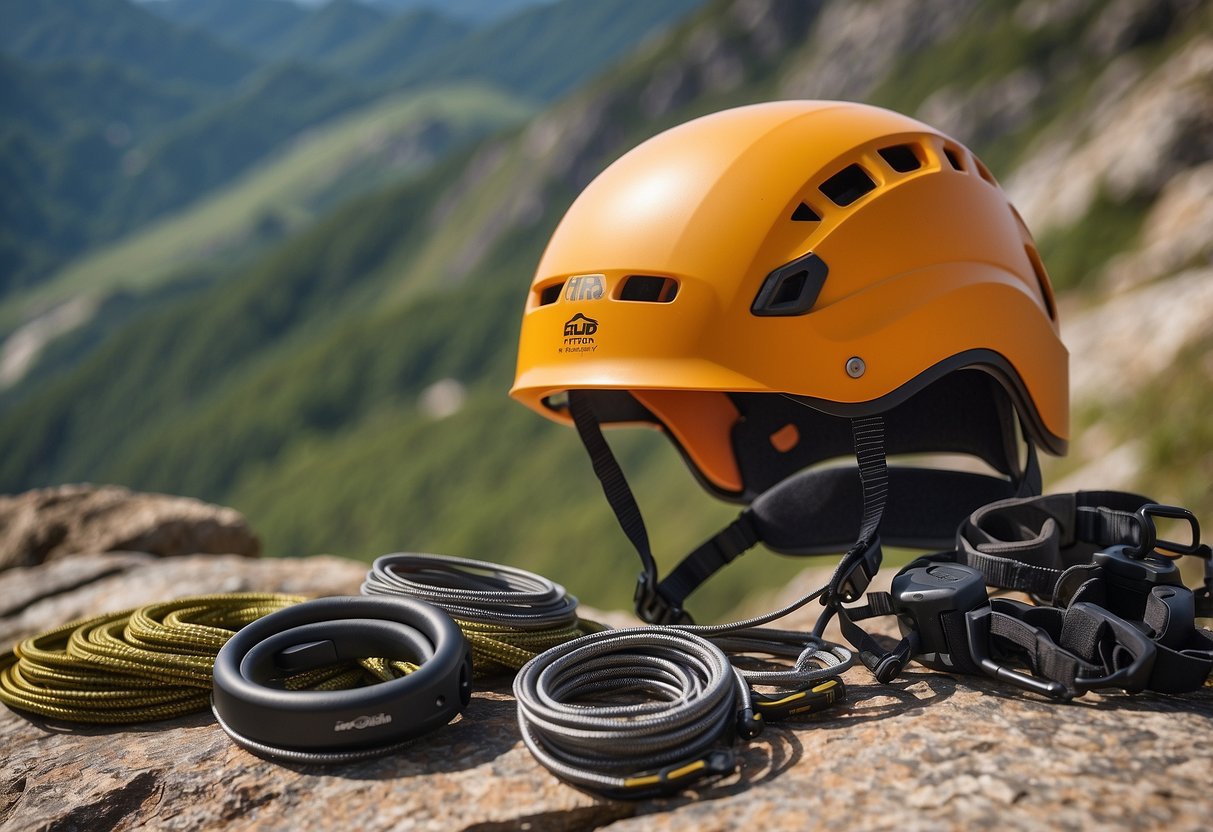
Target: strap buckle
x,y
853,583
1134,677
977,628
1149,532
655,608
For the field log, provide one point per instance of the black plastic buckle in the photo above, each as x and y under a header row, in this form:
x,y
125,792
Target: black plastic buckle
x,y
808,700
854,582
655,608
977,627
1136,676
1149,533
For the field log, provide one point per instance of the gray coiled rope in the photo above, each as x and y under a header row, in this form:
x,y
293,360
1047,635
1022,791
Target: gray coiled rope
x,y
508,615
693,697
603,746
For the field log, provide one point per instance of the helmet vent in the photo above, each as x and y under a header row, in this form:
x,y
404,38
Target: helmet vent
x,y
792,289
1042,279
902,158
550,294
649,289
804,213
953,158
848,185
983,171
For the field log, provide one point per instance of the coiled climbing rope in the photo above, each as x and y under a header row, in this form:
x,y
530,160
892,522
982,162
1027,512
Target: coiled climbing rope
x,y
149,663
682,691
508,615
645,710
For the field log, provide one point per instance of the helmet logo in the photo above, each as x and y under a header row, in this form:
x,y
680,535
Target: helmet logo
x,y
579,334
584,287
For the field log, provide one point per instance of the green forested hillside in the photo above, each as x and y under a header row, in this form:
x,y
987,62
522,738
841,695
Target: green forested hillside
x,y
413,41
394,138
67,127
119,32
254,25
295,386
548,50
328,29
178,128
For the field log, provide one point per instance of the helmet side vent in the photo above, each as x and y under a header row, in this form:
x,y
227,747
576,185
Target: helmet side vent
x,y
953,157
804,213
902,158
550,293
848,185
791,289
648,289
984,172
1042,279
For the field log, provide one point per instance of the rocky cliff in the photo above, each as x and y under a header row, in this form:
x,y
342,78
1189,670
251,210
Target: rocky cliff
x,y
928,752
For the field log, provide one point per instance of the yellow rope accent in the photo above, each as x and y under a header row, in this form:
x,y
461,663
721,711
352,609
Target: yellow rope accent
x,y
151,663
497,649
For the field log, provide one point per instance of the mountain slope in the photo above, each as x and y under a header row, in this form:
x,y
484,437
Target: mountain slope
x,y
67,127
327,29
298,388
390,139
416,39
253,25
120,32
548,50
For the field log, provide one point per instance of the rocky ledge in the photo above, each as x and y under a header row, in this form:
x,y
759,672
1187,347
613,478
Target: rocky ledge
x,y
928,752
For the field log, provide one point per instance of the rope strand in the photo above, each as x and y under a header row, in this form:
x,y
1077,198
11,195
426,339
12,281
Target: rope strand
x,y
508,615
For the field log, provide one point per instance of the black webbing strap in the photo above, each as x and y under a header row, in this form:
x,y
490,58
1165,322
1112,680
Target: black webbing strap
x,y
846,584
855,569
708,558
614,484
1084,647
1026,544
1031,634
885,665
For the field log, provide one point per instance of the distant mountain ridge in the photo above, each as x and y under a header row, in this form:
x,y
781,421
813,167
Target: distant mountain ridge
x,y
119,32
294,386
76,188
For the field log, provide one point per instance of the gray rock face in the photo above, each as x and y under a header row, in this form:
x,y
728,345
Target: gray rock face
x,y
927,752
49,523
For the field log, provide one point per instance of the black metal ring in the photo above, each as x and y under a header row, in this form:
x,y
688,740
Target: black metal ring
x,y
340,725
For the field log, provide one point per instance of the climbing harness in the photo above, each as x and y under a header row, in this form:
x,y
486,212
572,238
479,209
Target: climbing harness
x,y
138,665
253,705
508,615
1115,612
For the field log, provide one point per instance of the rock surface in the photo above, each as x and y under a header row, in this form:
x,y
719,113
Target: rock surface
x,y
49,523
928,752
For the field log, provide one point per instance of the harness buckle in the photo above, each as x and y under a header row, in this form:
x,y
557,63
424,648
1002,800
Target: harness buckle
x,y
854,582
1149,532
977,627
655,608
1136,675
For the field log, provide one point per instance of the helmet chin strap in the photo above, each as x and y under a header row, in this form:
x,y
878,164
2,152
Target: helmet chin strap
x,y
808,513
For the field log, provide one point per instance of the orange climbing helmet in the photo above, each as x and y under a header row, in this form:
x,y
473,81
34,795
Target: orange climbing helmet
x,y
756,281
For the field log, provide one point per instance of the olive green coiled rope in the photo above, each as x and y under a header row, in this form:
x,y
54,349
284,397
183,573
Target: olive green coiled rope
x,y
150,663
508,615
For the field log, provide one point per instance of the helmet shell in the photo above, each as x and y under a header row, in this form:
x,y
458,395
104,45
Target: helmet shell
x,y
928,269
